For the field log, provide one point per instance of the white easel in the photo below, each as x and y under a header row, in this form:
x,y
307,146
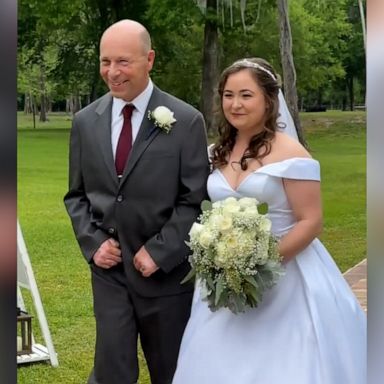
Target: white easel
x,y
26,279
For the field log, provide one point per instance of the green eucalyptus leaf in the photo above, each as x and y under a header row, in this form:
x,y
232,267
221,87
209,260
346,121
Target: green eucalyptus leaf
x,y
190,275
262,208
239,304
219,290
206,205
210,283
251,280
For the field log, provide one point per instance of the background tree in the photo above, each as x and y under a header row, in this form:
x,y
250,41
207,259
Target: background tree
x,y
58,48
354,59
74,28
319,47
210,62
176,27
289,71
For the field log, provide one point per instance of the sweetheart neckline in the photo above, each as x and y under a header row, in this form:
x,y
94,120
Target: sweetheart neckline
x,y
258,169
240,184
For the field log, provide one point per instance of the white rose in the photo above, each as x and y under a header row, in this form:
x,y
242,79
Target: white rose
x,y
231,205
215,220
248,202
163,116
231,208
231,241
217,204
195,230
230,201
265,224
225,224
206,238
250,213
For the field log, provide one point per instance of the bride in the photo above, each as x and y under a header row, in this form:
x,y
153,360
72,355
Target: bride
x,y
309,329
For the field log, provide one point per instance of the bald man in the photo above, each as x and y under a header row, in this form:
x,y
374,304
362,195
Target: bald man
x,y
131,222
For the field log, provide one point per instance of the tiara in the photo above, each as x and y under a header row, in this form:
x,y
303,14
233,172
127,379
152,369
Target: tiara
x,y
251,64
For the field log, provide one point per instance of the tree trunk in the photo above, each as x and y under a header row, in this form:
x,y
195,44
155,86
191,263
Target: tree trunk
x,y
94,83
34,113
43,111
344,103
67,105
71,104
362,17
351,93
76,103
289,72
210,63
28,100
320,97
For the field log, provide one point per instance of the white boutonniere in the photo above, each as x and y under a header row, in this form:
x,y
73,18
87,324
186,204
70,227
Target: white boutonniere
x,y
162,118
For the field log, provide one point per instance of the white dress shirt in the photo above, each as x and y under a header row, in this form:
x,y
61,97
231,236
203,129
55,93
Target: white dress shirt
x,y
139,113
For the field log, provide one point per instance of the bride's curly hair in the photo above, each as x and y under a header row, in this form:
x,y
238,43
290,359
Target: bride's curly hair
x,y
260,143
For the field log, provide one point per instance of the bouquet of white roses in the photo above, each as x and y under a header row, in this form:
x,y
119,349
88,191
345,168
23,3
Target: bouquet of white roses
x,y
235,256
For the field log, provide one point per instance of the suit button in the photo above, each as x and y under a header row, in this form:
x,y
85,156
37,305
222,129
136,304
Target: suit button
x,y
111,230
119,198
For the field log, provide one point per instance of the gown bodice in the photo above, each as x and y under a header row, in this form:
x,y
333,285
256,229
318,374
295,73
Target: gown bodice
x,y
266,185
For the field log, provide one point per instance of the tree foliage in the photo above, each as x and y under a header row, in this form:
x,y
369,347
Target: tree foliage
x,y
58,45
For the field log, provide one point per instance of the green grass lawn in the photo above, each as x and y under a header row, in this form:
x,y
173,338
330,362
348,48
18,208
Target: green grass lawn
x,y
340,146
337,140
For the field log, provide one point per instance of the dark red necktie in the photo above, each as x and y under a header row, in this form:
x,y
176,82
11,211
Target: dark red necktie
x,y
124,144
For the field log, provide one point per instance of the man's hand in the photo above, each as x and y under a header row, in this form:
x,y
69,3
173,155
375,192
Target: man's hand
x,y
144,263
108,255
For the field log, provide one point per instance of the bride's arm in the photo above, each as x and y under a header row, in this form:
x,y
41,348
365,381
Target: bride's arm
x,y
304,198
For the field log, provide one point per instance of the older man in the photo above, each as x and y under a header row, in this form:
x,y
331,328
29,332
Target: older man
x,y
137,177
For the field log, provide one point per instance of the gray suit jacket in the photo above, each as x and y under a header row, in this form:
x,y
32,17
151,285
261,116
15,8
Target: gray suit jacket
x,y
155,202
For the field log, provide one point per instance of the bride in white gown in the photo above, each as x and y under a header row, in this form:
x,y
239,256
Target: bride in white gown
x,y
309,328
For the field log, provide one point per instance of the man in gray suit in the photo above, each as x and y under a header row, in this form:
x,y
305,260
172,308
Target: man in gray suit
x,y
132,220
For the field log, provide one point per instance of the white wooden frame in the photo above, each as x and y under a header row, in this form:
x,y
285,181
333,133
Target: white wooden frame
x,y
26,279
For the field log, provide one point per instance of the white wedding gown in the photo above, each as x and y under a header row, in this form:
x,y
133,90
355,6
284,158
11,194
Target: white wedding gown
x,y
309,329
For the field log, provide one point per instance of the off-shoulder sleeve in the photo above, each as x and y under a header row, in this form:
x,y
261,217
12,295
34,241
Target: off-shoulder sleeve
x,y
299,168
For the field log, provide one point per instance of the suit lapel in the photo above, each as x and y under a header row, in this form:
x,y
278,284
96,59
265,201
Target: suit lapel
x,y
103,133
147,132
